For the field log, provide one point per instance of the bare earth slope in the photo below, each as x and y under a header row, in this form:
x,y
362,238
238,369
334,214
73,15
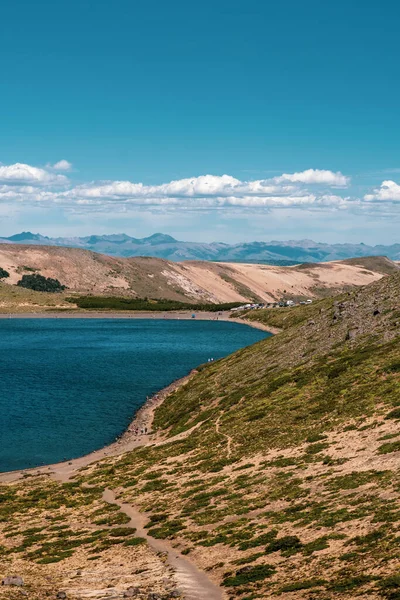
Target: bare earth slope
x,y
235,281
276,470
86,272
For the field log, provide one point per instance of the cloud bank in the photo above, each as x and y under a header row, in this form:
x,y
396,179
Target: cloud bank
x,y
312,190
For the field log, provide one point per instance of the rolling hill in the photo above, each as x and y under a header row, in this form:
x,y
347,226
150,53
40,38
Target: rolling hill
x,y
86,272
275,470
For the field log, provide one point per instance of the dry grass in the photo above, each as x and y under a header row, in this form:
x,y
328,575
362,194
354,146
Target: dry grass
x,y
287,483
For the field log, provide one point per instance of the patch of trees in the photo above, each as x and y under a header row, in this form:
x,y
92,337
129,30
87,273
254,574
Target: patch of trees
x,y
4,273
145,304
39,283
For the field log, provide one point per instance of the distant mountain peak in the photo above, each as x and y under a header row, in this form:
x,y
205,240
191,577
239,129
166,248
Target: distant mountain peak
x,y
162,245
27,236
159,238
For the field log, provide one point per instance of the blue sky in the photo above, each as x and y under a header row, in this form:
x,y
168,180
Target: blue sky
x,y
154,92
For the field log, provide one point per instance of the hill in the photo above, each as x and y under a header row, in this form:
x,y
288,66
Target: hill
x,y
85,272
167,247
274,470
15,299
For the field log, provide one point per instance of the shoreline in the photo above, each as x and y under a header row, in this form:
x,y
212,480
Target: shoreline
x,y
139,432
164,315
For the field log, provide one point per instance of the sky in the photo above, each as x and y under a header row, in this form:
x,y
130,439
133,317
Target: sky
x,y
222,120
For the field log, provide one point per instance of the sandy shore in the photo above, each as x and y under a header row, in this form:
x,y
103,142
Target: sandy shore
x,y
139,432
167,315
123,314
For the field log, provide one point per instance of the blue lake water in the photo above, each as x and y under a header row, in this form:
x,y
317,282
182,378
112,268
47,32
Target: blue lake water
x,y
71,386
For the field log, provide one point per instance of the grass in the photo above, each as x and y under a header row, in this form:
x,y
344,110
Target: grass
x,y
271,398
302,410
15,299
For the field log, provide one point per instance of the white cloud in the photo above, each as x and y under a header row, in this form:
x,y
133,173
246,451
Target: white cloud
x,y
315,176
20,173
389,191
312,191
62,165
210,190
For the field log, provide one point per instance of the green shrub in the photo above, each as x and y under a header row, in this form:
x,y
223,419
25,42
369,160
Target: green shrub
x,y
316,545
316,448
168,529
390,587
39,283
135,541
394,414
249,574
264,538
349,583
121,531
4,274
392,368
355,479
316,437
117,303
289,544
389,447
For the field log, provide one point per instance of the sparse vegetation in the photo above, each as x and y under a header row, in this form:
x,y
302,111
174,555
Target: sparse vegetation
x,y
288,484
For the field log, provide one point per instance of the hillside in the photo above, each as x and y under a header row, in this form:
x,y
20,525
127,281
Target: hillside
x,y
86,272
274,470
167,247
235,281
15,299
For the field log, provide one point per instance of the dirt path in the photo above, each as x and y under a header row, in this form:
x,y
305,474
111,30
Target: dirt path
x,y
194,584
227,437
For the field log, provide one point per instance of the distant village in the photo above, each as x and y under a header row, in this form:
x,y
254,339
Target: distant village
x,y
280,304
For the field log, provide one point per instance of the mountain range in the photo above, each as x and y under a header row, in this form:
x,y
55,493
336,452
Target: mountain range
x,y
165,246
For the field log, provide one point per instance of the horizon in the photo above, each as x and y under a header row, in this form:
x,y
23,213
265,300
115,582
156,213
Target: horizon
x,y
220,122
160,233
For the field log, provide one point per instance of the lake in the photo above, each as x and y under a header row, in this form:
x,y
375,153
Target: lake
x,y
71,386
